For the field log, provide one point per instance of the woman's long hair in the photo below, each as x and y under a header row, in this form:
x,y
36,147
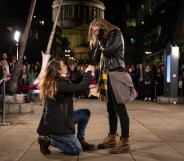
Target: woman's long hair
x,y
48,82
107,26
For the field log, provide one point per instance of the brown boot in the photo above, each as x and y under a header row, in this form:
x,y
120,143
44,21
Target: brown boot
x,y
122,146
109,142
85,145
44,142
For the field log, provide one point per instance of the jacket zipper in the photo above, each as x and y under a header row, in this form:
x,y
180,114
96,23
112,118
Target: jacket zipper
x,y
67,108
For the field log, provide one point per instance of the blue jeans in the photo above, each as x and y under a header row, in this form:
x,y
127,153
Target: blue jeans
x,y
69,143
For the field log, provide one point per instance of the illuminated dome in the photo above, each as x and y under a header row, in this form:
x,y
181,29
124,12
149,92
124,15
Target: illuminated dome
x,y
77,12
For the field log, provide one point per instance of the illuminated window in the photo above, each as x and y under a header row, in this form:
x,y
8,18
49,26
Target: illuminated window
x,y
128,8
132,40
41,22
35,35
131,22
66,12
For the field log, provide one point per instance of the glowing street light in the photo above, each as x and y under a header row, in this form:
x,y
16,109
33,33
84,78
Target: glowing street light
x,y
16,38
67,53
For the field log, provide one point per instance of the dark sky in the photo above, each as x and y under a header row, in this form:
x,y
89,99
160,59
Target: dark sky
x,y
17,10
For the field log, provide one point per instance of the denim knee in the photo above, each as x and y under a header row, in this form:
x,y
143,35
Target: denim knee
x,y
88,112
75,151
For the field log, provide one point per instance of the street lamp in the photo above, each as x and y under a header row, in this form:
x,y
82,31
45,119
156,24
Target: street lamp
x,y
67,53
16,38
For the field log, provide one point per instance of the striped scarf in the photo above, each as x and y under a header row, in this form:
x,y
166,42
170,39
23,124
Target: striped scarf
x,y
102,82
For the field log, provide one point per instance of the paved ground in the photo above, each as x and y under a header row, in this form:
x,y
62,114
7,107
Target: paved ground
x,y
156,134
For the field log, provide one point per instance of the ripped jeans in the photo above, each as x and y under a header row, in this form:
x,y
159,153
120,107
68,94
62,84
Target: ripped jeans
x,y
69,143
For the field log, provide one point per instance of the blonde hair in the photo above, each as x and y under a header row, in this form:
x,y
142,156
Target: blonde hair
x,y
48,82
107,26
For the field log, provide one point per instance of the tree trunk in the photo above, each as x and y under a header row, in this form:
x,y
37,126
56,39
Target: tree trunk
x,y
46,56
13,84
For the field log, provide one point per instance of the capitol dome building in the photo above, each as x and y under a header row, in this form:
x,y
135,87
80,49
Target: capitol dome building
x,y
74,19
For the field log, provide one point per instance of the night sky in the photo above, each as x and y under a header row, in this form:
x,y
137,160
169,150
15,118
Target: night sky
x,y
16,11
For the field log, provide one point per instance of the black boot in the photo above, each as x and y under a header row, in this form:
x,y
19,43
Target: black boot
x,y
44,142
85,145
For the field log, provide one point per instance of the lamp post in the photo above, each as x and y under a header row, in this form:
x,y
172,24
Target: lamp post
x,y
16,38
67,53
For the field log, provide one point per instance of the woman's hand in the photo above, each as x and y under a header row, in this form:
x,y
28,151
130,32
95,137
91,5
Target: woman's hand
x,y
90,68
102,43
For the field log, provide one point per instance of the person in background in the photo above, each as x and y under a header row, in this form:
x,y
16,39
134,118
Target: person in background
x,y
72,72
23,77
132,74
59,116
36,70
31,75
12,62
148,82
108,42
140,81
5,65
159,81
181,83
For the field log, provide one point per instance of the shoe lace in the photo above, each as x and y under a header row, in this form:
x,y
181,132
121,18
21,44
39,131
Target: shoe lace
x,y
107,139
119,143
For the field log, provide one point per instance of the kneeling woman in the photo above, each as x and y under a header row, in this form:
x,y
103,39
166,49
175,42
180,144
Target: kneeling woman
x,y
59,117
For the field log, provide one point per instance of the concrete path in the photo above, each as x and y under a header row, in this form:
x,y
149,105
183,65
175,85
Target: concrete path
x,y
156,134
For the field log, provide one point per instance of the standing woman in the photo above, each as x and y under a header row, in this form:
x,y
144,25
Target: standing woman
x,y
108,42
59,117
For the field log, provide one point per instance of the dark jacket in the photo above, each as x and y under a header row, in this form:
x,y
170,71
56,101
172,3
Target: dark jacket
x,y
59,111
113,50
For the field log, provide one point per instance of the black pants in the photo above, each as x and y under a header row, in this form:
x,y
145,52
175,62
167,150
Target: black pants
x,y
114,111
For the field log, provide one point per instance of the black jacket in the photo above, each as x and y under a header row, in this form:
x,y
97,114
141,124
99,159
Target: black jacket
x,y
58,117
113,50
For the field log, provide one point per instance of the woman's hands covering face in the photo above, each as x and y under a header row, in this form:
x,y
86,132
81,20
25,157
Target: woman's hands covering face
x,y
100,34
90,68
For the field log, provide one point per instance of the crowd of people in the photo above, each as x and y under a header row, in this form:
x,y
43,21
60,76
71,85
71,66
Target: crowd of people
x,y
148,79
28,71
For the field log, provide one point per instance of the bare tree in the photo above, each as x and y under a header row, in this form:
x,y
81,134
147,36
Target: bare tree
x,y
46,56
12,87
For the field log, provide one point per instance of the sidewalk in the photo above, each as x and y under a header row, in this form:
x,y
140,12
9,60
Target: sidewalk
x,y
156,134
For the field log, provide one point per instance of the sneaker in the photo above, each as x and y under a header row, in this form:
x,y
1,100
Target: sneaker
x,y
146,99
149,98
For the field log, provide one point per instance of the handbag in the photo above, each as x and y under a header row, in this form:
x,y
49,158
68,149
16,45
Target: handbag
x,y
41,129
123,87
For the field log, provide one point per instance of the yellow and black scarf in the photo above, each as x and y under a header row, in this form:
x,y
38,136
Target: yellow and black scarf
x,y
102,82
